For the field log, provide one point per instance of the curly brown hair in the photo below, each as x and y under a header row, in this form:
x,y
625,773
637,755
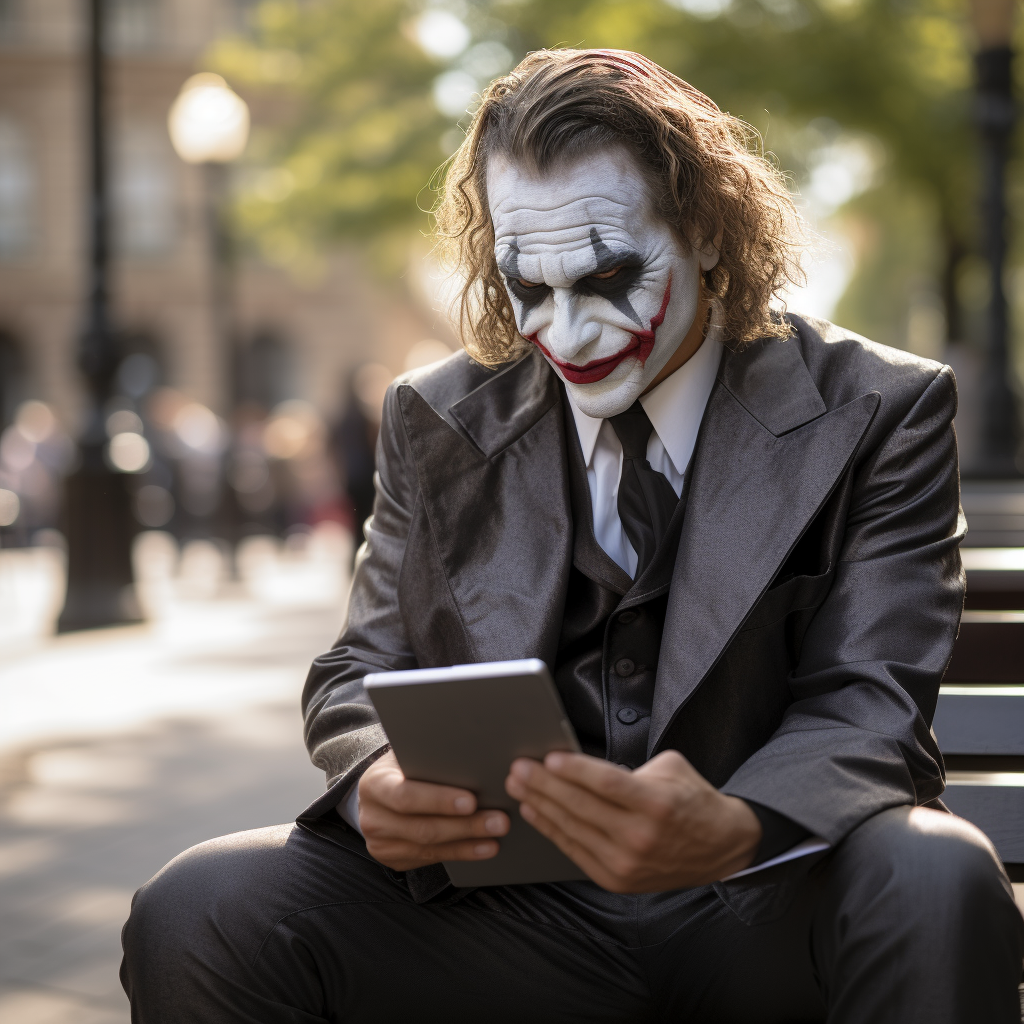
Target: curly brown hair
x,y
705,173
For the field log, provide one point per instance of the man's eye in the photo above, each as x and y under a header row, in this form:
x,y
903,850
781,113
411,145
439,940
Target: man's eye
x,y
607,274
529,293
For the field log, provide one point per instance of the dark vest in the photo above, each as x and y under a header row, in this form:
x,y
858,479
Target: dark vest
x,y
611,630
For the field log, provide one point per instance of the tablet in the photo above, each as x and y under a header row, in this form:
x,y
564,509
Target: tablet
x,y
464,726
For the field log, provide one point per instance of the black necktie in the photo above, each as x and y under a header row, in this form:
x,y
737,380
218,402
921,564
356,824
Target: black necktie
x,y
646,499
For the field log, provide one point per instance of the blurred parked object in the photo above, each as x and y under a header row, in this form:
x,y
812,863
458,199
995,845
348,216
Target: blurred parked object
x,y
98,518
995,115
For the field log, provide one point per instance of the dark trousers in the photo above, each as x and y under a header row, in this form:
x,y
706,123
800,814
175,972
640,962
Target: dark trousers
x,y
911,919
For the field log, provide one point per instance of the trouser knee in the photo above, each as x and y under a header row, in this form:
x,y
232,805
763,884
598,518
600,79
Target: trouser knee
x,y
923,890
201,900
927,855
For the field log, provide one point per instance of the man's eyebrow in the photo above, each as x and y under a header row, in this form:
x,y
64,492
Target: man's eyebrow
x,y
608,259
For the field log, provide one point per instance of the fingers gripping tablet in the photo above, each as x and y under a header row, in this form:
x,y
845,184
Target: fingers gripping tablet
x,y
464,726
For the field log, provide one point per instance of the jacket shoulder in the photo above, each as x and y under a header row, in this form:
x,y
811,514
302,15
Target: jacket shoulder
x,y
444,383
844,365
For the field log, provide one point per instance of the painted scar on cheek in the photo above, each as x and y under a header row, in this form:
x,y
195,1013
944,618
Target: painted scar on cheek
x,y
597,369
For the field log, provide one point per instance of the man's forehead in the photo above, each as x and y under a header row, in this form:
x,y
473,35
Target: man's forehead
x,y
558,209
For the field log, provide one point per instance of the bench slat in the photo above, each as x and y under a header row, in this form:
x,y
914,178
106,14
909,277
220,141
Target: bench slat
x,y
997,810
989,649
987,723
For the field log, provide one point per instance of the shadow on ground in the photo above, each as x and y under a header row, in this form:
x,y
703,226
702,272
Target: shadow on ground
x,y
84,823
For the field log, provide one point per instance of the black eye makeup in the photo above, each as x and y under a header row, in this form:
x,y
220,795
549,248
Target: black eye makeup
x,y
526,292
613,283
613,276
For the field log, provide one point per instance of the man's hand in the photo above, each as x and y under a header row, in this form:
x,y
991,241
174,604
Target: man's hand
x,y
411,824
662,826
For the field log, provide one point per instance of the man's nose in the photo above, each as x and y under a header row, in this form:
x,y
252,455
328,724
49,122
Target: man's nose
x,y
570,330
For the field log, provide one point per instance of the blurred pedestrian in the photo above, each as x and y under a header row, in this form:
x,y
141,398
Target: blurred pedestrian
x,y
354,440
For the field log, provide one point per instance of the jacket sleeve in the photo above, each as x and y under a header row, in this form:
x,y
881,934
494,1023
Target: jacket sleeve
x,y
856,738
342,731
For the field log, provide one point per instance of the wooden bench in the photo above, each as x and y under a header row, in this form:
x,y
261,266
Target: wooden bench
x,y
979,720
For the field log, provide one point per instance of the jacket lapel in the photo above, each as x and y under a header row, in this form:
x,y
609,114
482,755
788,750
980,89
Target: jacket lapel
x,y
497,500
767,458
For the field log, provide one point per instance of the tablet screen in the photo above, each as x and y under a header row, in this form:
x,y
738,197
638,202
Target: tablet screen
x,y
464,726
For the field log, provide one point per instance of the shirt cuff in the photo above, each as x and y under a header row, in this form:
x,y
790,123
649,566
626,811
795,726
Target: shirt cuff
x,y
348,806
778,833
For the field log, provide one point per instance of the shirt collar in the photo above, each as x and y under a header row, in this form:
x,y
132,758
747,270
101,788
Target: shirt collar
x,y
588,427
675,406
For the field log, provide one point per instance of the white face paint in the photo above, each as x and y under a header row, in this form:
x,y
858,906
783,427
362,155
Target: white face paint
x,y
598,281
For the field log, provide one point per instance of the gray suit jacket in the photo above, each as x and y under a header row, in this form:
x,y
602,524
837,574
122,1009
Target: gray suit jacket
x,y
816,593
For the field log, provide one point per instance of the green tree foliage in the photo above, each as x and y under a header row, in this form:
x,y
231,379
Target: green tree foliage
x,y
363,135
358,135
897,71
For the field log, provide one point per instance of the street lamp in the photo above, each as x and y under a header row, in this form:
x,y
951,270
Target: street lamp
x,y
97,512
994,115
208,122
209,126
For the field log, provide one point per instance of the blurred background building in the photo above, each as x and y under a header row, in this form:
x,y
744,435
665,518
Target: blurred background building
x,y
236,394
261,305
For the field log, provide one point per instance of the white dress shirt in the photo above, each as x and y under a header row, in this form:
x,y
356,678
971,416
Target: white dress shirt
x,y
675,408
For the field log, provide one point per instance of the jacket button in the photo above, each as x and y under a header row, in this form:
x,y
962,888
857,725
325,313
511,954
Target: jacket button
x,y
627,617
627,716
624,667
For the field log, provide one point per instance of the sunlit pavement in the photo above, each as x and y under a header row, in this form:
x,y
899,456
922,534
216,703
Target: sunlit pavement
x,y
121,747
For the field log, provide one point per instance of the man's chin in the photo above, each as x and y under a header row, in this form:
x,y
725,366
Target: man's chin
x,y
608,397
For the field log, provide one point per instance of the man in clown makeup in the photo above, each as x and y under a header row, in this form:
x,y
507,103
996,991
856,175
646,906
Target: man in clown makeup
x,y
733,536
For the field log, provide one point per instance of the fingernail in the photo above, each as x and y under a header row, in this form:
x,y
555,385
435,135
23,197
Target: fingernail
x,y
495,823
527,812
464,804
521,768
554,761
484,849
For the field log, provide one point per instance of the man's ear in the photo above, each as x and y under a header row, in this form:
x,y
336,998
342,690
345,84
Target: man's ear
x,y
709,254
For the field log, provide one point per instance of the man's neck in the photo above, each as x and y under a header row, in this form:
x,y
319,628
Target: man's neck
x,y
689,345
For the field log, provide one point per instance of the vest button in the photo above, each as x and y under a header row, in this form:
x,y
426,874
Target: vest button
x,y
627,716
627,617
624,667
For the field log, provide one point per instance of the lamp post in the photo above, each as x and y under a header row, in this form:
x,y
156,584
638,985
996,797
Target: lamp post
x,y
995,115
209,126
98,520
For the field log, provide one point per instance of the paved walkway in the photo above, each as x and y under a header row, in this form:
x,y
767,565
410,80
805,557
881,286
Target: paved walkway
x,y
119,748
